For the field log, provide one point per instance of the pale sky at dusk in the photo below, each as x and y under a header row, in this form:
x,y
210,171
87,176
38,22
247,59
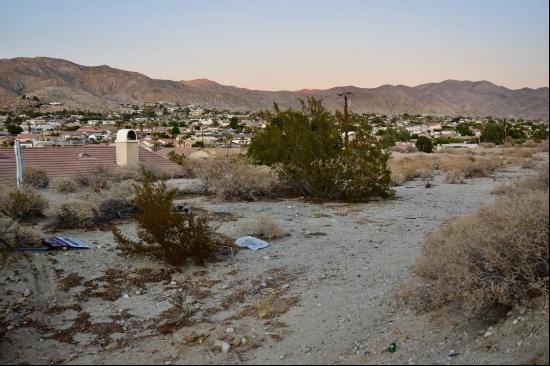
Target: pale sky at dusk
x,y
283,44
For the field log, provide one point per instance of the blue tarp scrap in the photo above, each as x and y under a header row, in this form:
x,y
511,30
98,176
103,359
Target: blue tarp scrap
x,y
65,241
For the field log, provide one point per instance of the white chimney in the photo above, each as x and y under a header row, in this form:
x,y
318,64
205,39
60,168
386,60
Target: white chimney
x,y
127,153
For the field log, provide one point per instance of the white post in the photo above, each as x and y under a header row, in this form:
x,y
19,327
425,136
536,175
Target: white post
x,y
18,163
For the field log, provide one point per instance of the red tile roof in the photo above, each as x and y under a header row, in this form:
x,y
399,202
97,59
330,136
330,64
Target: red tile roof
x,y
61,162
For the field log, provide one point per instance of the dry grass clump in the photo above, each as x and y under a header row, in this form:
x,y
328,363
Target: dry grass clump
x,y
268,306
487,145
471,166
494,258
537,182
455,177
73,214
235,178
528,163
407,168
268,227
36,178
404,149
22,203
66,186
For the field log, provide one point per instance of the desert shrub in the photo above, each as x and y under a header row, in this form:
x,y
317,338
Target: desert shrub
x,y
126,173
176,158
115,203
424,144
163,233
528,163
268,227
455,177
66,186
97,178
22,203
235,178
13,234
307,151
494,258
73,214
36,178
27,236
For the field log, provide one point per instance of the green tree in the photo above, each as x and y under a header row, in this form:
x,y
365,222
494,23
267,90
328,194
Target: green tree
x,y
464,130
493,132
424,144
14,129
174,131
306,149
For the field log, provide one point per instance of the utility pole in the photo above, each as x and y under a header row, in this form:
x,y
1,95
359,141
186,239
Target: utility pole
x,y
345,94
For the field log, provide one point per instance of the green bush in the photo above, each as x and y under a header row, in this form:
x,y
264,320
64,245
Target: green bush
x,y
307,151
163,233
424,144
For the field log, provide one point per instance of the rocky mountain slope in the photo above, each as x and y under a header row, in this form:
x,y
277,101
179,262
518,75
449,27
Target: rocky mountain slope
x,y
103,87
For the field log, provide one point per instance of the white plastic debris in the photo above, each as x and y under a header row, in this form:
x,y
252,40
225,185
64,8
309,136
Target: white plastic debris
x,y
251,242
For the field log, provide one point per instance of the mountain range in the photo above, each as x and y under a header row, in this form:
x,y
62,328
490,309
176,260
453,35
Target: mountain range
x,y
105,88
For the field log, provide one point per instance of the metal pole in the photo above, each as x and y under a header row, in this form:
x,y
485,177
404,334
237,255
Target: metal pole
x,y
18,163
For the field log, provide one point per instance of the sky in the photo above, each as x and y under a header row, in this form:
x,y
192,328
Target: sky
x,y
290,44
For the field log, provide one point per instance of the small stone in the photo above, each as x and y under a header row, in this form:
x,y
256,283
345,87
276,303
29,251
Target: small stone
x,y
125,296
230,330
285,286
263,284
490,332
9,327
173,283
266,257
282,357
224,346
27,292
453,354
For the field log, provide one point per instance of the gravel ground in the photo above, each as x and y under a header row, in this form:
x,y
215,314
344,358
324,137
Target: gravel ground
x,y
322,294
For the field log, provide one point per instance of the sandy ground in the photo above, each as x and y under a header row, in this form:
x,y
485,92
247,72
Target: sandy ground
x,y
322,294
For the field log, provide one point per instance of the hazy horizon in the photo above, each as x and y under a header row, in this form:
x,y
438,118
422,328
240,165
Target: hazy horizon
x,y
287,45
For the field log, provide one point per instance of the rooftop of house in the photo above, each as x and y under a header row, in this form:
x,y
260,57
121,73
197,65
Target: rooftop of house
x,y
64,162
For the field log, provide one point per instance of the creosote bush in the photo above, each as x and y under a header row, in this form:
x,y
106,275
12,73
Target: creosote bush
x,y
36,178
494,258
307,151
23,203
162,232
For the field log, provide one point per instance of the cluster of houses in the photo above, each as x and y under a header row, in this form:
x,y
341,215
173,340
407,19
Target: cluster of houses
x,y
171,126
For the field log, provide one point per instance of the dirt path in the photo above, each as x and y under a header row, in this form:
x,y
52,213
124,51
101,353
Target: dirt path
x,y
323,294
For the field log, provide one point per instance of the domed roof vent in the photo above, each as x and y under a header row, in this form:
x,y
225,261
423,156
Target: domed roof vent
x,y
126,135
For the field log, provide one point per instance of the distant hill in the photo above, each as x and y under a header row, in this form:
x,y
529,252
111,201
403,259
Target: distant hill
x,y
104,88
